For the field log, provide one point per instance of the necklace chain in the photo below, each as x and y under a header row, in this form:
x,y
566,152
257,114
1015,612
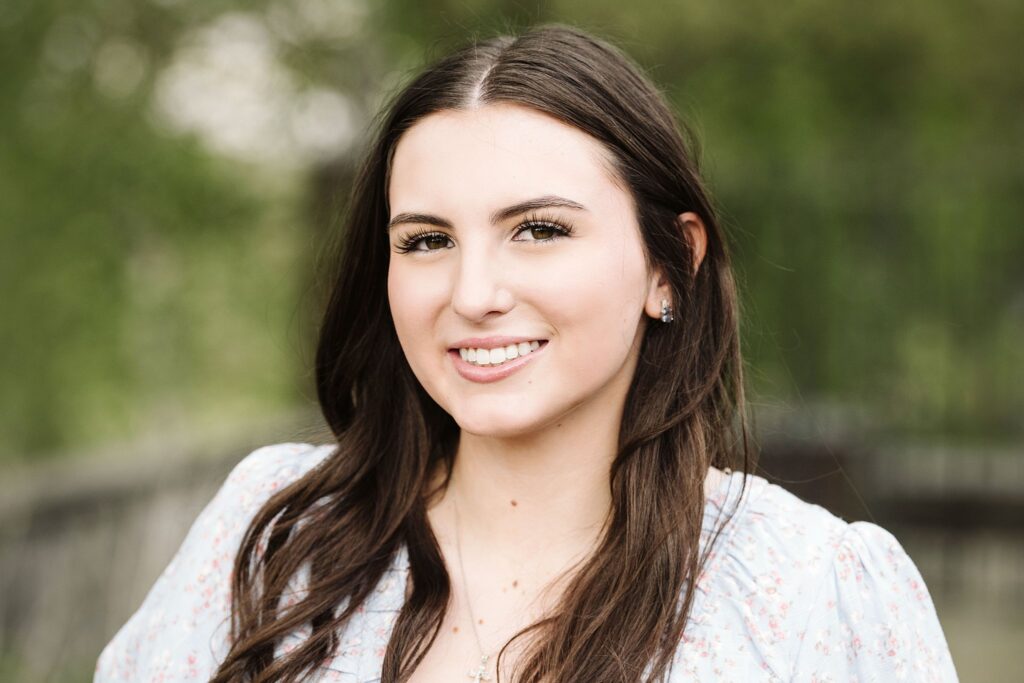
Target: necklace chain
x,y
480,672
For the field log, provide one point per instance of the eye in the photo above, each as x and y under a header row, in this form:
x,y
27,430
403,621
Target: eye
x,y
425,241
542,230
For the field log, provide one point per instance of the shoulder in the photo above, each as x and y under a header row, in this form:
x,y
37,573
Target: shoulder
x,y
789,578
246,489
180,632
774,537
772,522
270,468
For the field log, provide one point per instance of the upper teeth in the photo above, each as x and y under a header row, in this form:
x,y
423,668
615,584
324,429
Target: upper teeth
x,y
499,355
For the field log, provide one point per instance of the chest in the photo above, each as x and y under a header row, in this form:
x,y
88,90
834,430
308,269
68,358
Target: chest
x,y
455,654
719,650
451,658
720,644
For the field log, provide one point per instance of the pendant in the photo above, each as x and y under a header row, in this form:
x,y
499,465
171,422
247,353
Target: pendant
x,y
479,674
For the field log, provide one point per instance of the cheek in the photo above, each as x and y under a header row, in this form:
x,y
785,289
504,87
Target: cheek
x,y
602,295
414,301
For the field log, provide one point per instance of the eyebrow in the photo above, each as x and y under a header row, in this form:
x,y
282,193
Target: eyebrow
x,y
545,202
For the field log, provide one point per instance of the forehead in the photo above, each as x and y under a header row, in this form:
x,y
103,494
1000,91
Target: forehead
x,y
494,154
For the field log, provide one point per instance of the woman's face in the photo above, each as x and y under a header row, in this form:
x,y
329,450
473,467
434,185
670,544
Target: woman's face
x,y
509,232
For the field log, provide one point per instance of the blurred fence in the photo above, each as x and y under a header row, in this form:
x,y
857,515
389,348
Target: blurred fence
x,y
958,512
82,541
83,538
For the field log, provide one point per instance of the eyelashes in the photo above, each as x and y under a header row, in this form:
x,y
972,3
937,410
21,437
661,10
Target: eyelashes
x,y
411,242
550,229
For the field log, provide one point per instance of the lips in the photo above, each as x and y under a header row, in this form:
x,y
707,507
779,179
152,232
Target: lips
x,y
471,370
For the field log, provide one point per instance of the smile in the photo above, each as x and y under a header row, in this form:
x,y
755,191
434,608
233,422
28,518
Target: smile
x,y
499,355
478,364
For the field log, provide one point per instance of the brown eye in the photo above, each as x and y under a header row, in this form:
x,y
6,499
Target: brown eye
x,y
433,242
542,232
429,241
545,231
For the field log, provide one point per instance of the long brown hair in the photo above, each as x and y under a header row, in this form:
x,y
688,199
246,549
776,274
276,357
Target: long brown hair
x,y
346,519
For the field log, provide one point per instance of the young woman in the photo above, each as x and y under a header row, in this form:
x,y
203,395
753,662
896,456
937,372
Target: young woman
x,y
531,365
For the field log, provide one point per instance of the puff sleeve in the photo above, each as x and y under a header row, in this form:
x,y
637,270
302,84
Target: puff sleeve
x,y
181,631
872,618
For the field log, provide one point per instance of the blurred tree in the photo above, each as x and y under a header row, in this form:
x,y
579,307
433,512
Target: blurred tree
x,y
158,162
148,282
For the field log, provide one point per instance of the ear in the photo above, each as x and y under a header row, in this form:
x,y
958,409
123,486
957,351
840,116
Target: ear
x,y
696,235
658,289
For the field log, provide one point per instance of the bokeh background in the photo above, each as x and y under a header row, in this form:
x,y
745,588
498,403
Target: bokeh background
x,y
171,171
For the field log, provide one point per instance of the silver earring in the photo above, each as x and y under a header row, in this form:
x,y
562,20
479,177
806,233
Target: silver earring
x,y
666,312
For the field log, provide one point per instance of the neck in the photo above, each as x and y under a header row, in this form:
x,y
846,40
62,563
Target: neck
x,y
543,496
540,493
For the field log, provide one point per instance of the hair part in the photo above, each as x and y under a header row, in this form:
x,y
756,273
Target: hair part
x,y
684,410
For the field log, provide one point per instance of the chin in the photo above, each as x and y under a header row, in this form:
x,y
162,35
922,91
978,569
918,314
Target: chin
x,y
497,423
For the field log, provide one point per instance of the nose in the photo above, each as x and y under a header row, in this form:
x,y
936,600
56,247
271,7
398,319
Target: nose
x,y
480,289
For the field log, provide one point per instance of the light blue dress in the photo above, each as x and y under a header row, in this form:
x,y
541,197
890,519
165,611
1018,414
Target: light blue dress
x,y
790,593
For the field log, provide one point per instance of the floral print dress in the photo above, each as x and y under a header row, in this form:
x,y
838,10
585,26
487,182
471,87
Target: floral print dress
x,y
790,593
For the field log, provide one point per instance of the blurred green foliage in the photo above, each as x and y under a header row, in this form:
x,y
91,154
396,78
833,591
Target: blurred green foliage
x,y
866,158
148,283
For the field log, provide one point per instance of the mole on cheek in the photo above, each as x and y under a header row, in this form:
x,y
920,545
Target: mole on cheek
x,y
513,503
